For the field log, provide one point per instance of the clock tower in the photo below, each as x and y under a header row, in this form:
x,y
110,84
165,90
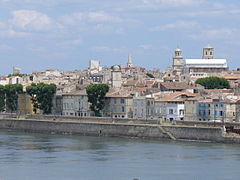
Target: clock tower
x,y
178,61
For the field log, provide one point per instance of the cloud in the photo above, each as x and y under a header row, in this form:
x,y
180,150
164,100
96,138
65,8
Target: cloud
x,y
109,49
31,20
69,43
91,17
221,33
177,25
163,4
145,46
102,17
5,47
13,34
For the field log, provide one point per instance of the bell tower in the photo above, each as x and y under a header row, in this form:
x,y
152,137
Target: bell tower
x,y
129,63
178,61
208,52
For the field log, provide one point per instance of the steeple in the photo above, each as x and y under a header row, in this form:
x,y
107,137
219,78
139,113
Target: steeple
x,y
129,63
178,61
208,52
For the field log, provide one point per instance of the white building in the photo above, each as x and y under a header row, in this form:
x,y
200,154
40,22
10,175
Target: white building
x,y
171,107
94,66
207,66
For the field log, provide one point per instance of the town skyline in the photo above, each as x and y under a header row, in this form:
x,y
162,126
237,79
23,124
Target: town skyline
x,y
65,35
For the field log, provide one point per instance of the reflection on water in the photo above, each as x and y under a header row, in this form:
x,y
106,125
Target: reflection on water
x,y
38,156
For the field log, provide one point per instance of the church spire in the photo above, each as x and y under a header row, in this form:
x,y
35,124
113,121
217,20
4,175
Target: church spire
x,y
129,63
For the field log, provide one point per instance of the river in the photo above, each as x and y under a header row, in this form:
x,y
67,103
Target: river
x,y
25,156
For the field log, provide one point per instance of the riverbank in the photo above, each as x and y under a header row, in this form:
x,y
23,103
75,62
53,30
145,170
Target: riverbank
x,y
115,128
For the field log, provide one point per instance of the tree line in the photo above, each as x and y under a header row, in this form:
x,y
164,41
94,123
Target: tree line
x,y
41,96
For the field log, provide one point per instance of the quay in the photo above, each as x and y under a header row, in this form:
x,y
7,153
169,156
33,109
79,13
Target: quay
x,y
92,126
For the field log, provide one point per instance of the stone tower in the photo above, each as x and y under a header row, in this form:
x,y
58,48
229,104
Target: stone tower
x,y
208,52
178,61
129,63
116,76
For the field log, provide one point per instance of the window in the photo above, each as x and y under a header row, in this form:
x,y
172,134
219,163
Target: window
x,y
181,112
122,101
221,113
123,109
233,113
170,111
215,113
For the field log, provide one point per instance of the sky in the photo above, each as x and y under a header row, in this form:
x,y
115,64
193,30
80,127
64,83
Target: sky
x,y
66,34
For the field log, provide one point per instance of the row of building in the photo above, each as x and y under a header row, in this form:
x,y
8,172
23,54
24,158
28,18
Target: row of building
x,y
171,105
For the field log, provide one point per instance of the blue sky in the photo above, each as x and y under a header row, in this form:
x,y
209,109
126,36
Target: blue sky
x,y
66,34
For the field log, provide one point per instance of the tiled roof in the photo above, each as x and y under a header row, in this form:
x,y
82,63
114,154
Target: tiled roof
x,y
76,93
125,92
176,85
177,97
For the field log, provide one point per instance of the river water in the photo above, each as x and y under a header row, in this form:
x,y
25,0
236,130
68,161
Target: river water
x,y
25,156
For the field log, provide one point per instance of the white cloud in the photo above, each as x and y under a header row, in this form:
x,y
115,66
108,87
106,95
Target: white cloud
x,y
31,20
161,4
103,17
72,42
145,46
5,47
177,25
13,34
109,49
221,33
90,17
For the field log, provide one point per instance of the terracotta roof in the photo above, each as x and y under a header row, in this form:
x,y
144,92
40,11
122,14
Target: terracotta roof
x,y
76,93
212,91
176,85
177,97
149,82
125,92
231,76
131,83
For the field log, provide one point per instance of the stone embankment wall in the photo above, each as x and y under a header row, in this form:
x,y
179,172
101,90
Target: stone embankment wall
x,y
83,128
119,129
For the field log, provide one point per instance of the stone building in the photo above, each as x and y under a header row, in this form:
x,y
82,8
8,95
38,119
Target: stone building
x,y
172,106
75,103
207,66
118,103
225,109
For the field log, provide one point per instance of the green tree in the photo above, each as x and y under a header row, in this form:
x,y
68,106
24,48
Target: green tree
x,y
150,75
213,83
33,91
2,98
12,91
96,94
42,96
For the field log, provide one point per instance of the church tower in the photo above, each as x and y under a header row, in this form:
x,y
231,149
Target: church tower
x,y
116,76
208,52
129,63
178,61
